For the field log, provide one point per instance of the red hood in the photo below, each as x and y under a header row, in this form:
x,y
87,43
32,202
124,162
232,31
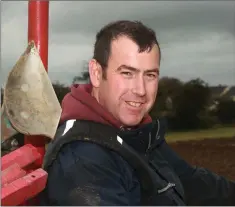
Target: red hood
x,y
79,104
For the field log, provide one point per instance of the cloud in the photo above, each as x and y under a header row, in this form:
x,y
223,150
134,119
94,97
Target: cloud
x,y
197,38
162,15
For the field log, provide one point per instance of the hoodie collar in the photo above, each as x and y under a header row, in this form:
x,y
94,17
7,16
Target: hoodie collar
x,y
80,104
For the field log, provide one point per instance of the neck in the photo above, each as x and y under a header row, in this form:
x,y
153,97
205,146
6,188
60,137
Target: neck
x,y
94,93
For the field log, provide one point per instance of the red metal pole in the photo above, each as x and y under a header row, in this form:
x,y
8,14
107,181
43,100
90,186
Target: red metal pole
x,y
38,21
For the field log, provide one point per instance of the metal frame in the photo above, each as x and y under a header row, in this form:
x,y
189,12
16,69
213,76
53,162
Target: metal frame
x,y
22,176
38,19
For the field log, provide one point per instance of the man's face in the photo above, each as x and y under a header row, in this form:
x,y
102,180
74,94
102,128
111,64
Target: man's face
x,y
131,84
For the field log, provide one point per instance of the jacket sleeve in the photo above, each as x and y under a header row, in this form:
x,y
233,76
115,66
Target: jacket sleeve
x,y
202,187
85,174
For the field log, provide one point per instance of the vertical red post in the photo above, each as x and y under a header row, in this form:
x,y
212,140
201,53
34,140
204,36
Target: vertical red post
x,y
38,22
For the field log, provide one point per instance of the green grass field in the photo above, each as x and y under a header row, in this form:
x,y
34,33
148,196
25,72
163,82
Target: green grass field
x,y
221,132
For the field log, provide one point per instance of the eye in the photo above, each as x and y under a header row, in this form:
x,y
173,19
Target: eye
x,y
126,74
151,76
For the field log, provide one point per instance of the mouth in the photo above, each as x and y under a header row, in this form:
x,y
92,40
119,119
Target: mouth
x,y
134,104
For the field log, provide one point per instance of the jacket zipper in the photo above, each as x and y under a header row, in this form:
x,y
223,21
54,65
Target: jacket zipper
x,y
169,185
150,137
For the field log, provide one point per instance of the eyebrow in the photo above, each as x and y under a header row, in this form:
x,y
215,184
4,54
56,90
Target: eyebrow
x,y
156,70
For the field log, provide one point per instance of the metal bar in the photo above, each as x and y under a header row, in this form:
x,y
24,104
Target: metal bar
x,y
11,173
22,189
38,21
22,156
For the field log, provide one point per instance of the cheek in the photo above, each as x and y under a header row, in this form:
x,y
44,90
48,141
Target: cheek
x,y
118,88
152,92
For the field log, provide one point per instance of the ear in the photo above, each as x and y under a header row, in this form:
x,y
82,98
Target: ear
x,y
95,71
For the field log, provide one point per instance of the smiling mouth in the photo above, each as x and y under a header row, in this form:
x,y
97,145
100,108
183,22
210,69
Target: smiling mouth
x,y
134,104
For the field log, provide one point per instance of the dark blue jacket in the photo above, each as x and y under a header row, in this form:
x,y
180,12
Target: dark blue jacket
x,y
84,173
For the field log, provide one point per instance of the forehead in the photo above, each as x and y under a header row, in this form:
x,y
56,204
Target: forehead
x,y
126,51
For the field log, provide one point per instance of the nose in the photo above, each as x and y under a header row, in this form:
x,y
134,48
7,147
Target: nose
x,y
139,86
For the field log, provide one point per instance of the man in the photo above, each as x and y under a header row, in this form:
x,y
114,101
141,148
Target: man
x,y
124,74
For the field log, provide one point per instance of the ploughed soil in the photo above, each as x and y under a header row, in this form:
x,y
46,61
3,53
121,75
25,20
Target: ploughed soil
x,y
217,155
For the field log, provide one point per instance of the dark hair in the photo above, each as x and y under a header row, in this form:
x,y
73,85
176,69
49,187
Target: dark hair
x,y
143,36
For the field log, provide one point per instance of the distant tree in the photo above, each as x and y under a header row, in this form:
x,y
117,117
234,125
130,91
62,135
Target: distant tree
x,y
183,104
168,90
84,77
61,90
191,103
226,111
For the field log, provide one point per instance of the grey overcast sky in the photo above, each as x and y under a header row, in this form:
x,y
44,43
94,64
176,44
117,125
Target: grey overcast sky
x,y
197,38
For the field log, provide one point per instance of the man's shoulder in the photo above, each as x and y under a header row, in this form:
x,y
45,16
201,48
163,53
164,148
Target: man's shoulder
x,y
67,150
86,152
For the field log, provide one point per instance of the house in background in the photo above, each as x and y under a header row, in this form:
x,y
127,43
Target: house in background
x,y
227,92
